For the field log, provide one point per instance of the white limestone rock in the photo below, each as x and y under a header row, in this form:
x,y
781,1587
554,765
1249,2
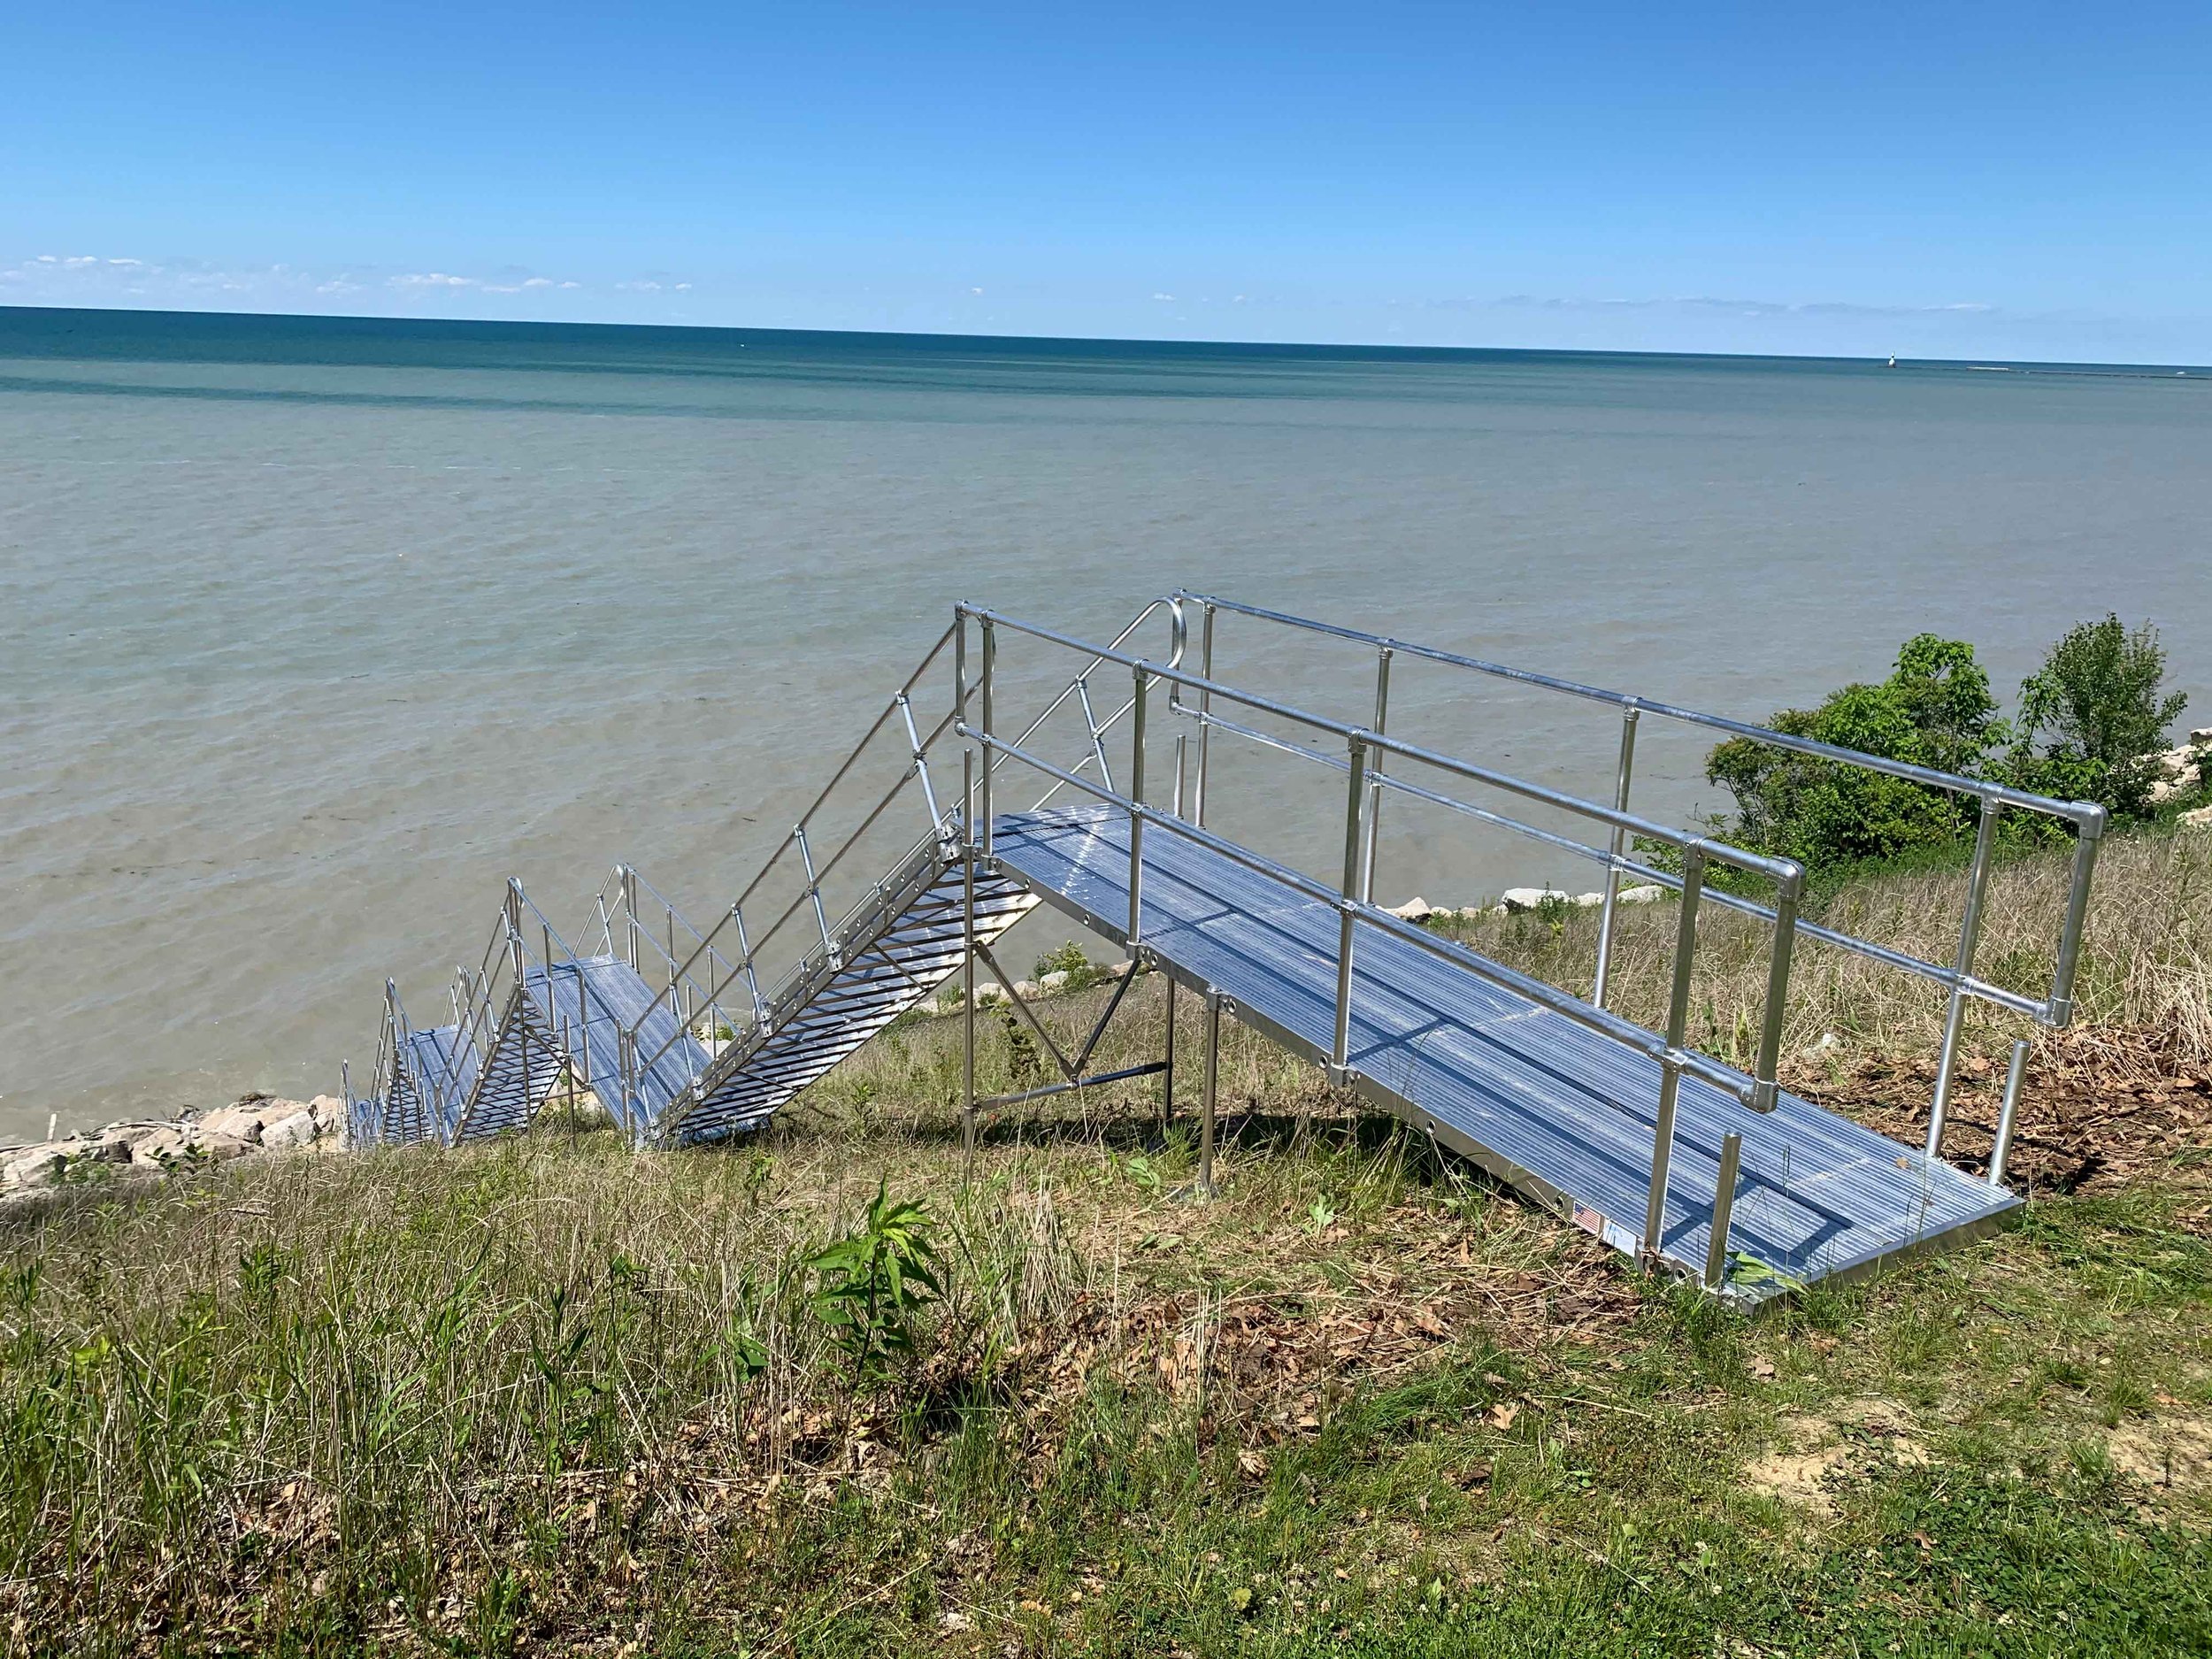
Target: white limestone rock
x,y
183,1143
299,1130
1057,980
1650,892
1529,898
34,1166
1414,909
2197,818
241,1121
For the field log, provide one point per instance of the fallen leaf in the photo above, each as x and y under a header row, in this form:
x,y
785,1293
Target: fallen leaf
x,y
1502,1414
1762,1366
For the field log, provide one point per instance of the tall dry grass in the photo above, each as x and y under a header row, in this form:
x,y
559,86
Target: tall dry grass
x,y
2143,963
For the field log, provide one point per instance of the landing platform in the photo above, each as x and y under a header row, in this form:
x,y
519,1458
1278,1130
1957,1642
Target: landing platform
x,y
1555,1109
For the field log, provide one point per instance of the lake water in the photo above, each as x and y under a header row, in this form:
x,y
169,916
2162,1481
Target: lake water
x,y
312,632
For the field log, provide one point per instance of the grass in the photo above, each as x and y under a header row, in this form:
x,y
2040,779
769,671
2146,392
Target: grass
x,y
546,1396
2142,966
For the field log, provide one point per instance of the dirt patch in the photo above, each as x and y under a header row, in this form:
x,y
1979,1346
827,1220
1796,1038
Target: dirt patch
x,y
2101,1107
1825,1451
2167,1454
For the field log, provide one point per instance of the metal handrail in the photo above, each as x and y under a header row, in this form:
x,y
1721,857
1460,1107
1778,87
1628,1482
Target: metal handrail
x,y
2090,820
1782,870
750,949
2078,812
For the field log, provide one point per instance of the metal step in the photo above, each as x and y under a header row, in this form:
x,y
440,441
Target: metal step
x,y
891,957
1555,1108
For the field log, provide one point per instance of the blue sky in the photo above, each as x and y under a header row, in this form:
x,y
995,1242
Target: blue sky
x,y
2022,179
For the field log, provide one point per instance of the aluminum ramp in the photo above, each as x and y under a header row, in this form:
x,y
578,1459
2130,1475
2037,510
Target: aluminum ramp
x,y
1547,1105
601,1013
891,956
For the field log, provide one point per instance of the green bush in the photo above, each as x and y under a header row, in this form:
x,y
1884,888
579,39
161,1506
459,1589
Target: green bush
x,y
1069,959
1934,710
870,1284
2092,716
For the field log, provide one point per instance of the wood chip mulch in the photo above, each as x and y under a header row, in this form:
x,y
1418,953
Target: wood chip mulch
x,y
2099,1109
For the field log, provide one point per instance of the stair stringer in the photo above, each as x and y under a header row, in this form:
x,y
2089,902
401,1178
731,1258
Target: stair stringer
x,y
523,1064
892,954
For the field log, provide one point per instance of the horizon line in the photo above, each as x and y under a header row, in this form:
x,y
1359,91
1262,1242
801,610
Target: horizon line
x,y
2133,370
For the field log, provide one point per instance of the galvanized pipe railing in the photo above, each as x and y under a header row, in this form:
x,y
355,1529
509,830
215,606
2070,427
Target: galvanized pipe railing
x,y
919,744
2089,820
1720,1074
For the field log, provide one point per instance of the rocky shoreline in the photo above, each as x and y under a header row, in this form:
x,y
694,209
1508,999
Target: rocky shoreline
x,y
255,1127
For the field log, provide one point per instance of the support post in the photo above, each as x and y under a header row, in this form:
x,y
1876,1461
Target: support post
x,y
1612,871
1374,776
1723,1208
1766,1071
1136,800
2087,839
1355,802
1206,1100
983,782
1205,707
1963,965
967,958
2016,1074
1671,1064
629,912
813,892
1167,1061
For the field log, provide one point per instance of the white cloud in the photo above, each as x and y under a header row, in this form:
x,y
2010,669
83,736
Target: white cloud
x,y
56,278
1168,298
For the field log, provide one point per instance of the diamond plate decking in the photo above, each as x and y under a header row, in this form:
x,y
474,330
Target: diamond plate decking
x,y
1546,1104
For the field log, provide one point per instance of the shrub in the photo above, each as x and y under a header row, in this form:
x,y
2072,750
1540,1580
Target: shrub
x,y
2092,719
1069,959
870,1284
1934,710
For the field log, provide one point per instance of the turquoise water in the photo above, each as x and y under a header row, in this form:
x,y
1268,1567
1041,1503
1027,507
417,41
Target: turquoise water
x,y
313,631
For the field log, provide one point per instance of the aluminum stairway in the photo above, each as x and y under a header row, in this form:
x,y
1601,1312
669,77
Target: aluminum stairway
x,y
1688,1161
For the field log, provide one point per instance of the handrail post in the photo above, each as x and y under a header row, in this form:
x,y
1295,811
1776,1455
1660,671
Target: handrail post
x,y
921,761
1205,707
1612,871
967,958
814,892
1963,965
1208,1094
629,912
2086,840
2014,1075
1724,1208
1136,800
1671,1062
1766,1070
1097,732
1348,907
983,782
514,929
1374,786
752,978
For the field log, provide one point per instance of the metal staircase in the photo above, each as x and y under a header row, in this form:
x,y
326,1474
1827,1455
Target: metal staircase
x,y
1695,1163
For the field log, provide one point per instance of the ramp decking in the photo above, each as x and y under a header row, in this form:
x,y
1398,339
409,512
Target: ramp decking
x,y
1543,1102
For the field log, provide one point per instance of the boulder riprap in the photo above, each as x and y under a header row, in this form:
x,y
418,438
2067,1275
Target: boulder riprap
x,y
255,1125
